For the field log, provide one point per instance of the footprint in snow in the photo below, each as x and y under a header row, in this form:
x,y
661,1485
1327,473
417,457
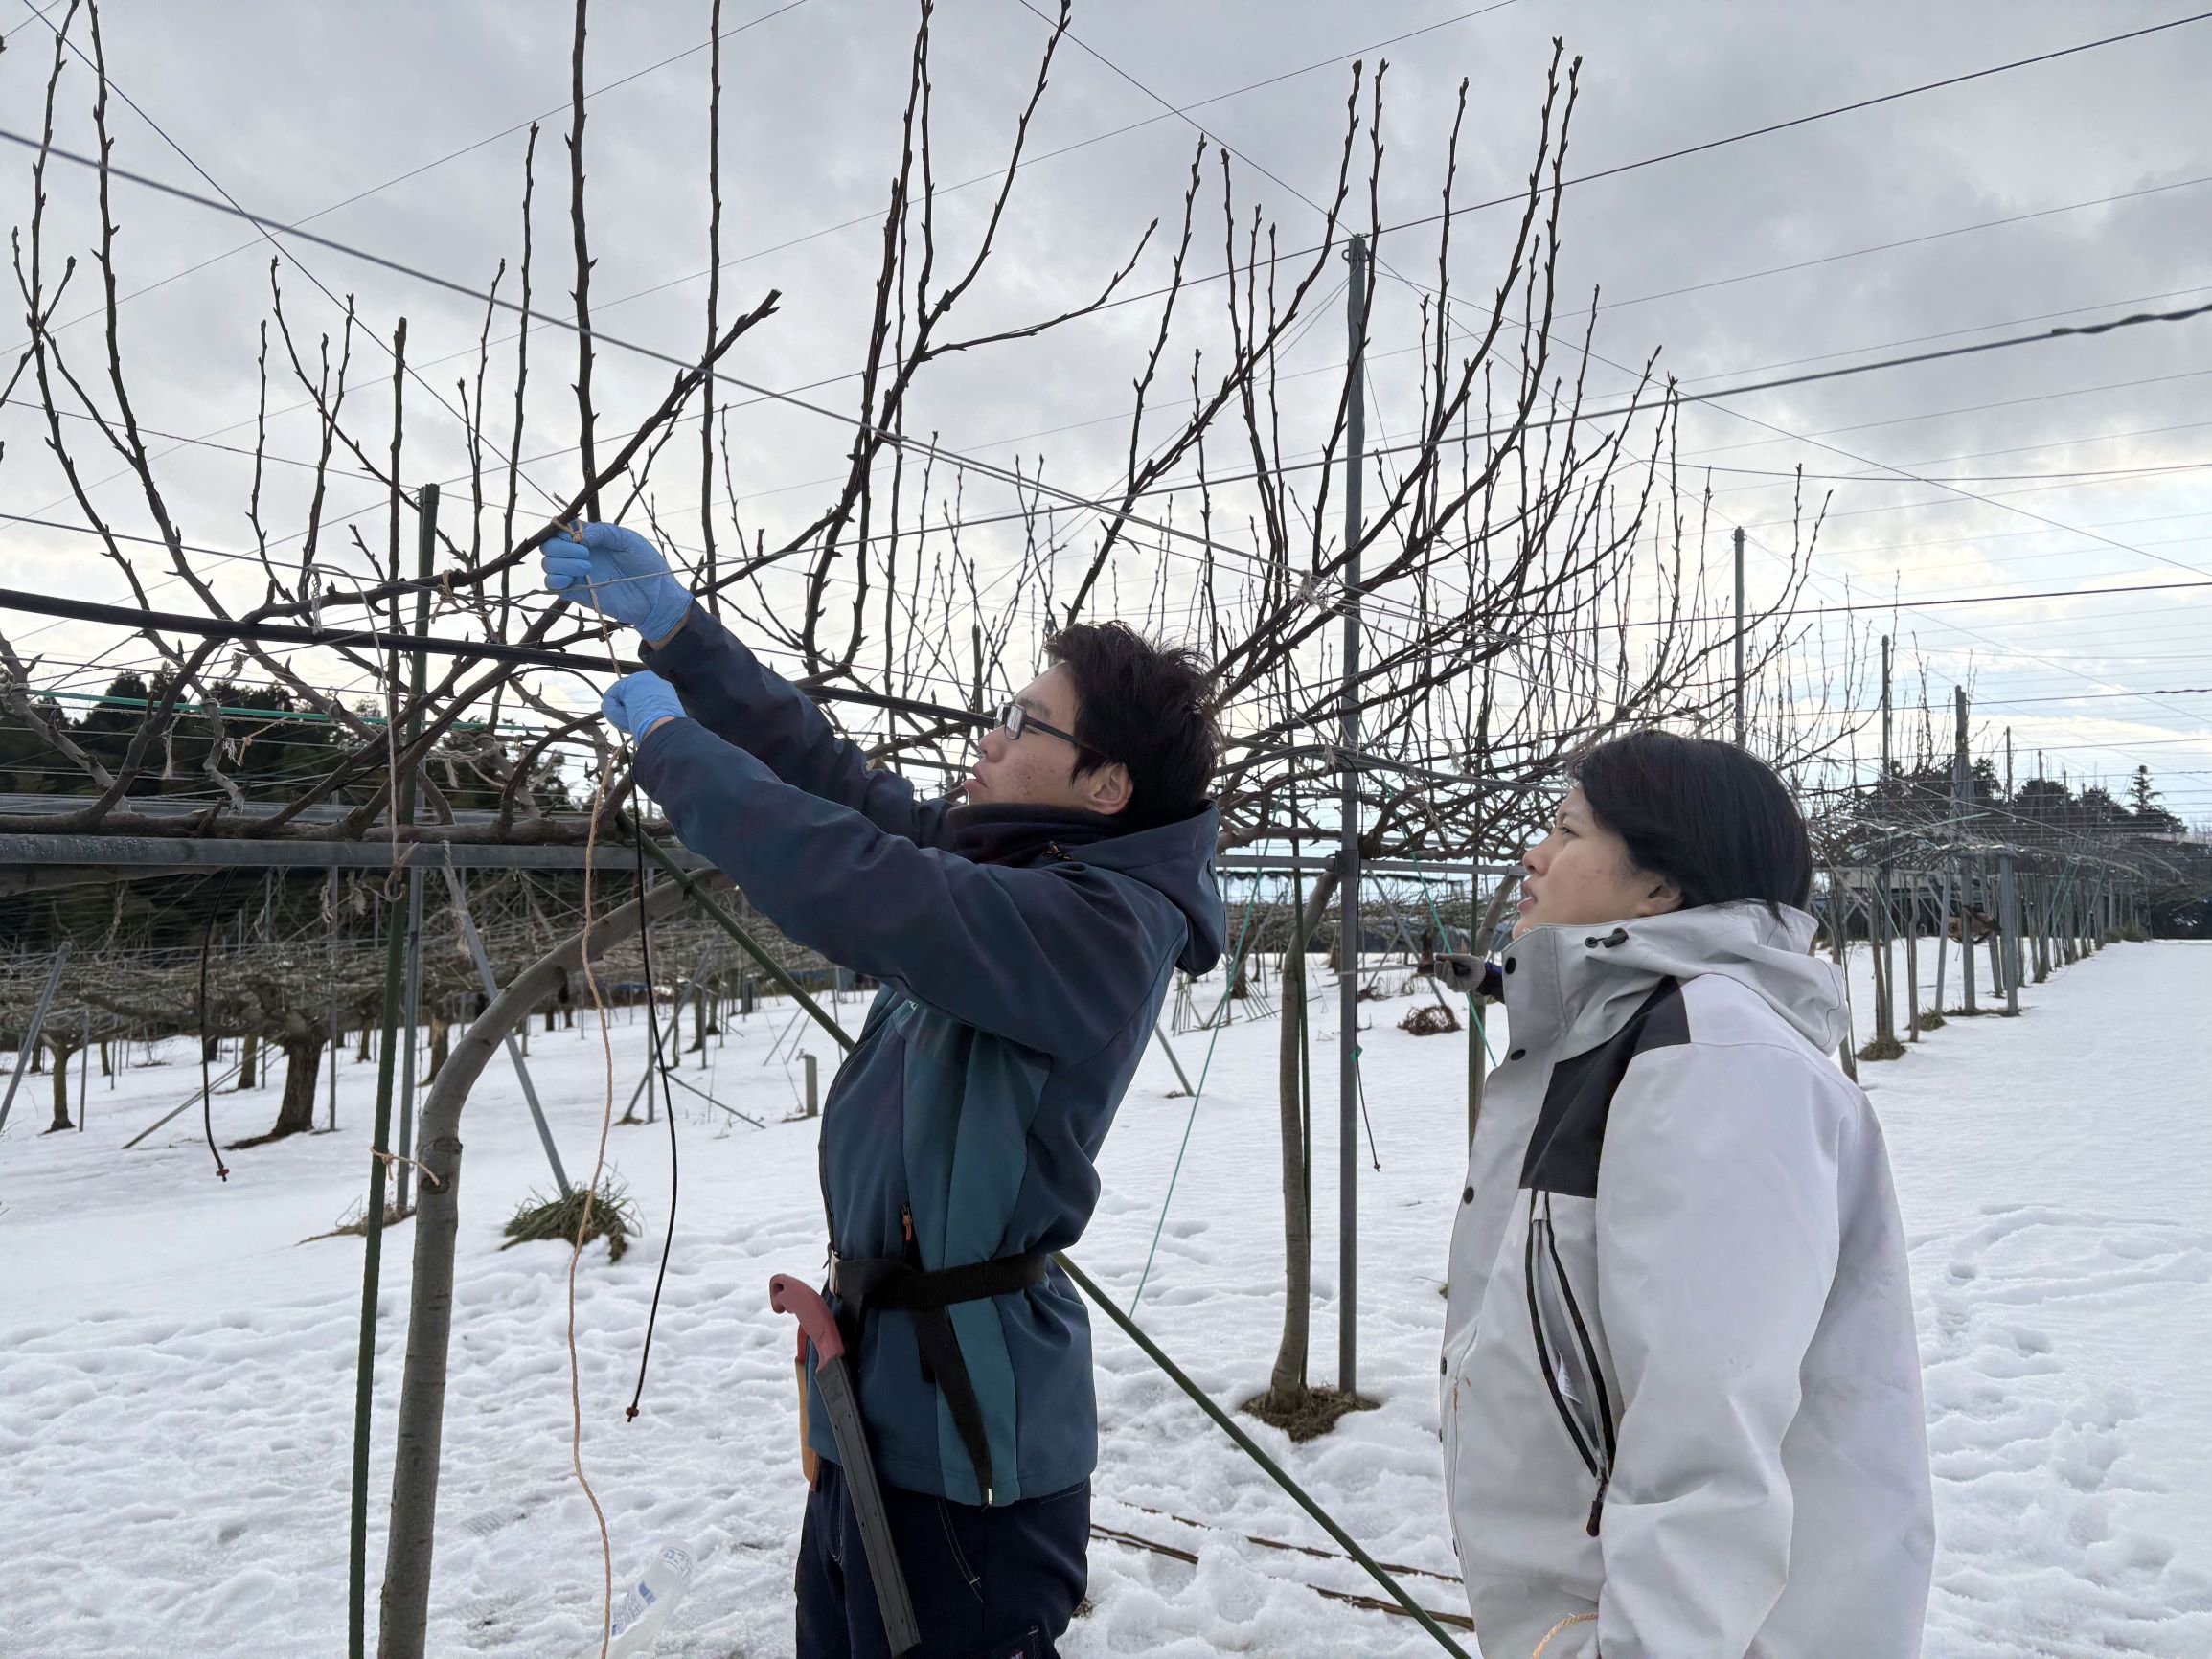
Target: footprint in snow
x,y
2030,1466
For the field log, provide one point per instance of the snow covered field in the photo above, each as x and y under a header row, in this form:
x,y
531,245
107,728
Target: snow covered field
x,y
176,1363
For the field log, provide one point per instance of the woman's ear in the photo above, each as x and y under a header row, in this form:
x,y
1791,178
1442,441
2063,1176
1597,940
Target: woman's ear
x,y
1108,790
1660,897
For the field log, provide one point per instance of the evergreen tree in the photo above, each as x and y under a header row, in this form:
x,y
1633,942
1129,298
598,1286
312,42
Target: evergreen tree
x,y
2140,795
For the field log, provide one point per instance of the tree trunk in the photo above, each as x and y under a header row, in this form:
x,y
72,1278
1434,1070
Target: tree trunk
x,y
440,1045
249,1052
406,1602
1286,1382
62,1054
362,1056
303,1065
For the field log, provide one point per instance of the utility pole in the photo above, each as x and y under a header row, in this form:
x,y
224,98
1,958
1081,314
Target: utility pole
x,y
1886,968
1740,726
1962,798
1887,712
1348,942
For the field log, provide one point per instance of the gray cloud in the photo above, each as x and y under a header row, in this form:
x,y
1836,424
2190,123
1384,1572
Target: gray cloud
x,y
294,108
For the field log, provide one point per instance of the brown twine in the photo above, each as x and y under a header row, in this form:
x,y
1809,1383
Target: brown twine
x,y
1563,1623
430,1180
583,1222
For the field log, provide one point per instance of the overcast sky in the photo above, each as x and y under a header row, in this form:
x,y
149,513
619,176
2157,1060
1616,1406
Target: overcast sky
x,y
2079,463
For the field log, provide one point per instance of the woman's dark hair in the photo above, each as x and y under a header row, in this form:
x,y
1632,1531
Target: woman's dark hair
x,y
1705,814
1150,707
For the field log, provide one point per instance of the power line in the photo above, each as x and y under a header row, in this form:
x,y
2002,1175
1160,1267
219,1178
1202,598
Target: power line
x,y
415,173
1069,499
229,204
597,336
1741,137
943,191
843,224
1074,502
1616,306
271,228
1719,392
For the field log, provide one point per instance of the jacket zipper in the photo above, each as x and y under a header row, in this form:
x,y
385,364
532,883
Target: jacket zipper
x,y
1597,1455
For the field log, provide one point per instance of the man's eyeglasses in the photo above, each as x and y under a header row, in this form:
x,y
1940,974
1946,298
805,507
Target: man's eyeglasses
x,y
1014,719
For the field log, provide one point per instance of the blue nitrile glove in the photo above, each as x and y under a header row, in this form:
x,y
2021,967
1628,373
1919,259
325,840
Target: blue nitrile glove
x,y
619,574
635,701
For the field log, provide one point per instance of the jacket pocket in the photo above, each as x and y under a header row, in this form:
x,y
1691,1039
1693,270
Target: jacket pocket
x,y
1565,1354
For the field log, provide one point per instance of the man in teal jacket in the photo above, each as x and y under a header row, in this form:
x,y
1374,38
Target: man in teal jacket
x,y
1025,941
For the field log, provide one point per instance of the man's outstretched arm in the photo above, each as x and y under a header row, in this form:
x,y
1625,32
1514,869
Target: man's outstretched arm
x,y
621,575
742,701
1027,954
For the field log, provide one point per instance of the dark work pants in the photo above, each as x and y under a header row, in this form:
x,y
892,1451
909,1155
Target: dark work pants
x,y
986,1583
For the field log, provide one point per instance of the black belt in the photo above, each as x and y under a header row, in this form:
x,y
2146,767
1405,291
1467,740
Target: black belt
x,y
888,1283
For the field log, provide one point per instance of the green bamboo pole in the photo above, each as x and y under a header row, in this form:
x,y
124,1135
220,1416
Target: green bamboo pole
x,y
373,1256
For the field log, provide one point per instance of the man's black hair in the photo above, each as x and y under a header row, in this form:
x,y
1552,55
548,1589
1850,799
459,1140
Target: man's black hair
x,y
1149,705
1710,818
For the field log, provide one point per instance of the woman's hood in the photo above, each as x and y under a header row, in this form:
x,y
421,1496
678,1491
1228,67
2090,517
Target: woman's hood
x,y
1768,956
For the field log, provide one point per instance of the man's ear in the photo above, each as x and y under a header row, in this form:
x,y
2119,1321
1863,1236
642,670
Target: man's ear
x,y
1106,790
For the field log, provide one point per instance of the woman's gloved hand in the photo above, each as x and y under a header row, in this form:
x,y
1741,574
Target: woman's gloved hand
x,y
1469,975
633,703
619,574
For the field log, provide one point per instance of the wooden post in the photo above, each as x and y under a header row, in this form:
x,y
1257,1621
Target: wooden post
x,y
814,1084
1884,962
1943,934
2009,923
1962,801
1912,956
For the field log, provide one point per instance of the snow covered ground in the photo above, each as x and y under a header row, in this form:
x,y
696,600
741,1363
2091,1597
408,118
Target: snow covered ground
x,y
176,1357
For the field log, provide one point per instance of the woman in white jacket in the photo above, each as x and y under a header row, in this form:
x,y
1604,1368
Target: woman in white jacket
x,y
1681,1406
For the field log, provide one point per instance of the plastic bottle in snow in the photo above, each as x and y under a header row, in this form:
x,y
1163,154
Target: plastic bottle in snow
x,y
643,1609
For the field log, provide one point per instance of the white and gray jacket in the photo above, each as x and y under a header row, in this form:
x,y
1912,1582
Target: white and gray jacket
x,y
1681,1406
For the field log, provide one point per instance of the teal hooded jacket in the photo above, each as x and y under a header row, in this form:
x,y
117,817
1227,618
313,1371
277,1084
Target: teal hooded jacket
x,y
1024,957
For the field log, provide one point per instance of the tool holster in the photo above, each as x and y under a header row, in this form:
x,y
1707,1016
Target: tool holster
x,y
886,1282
